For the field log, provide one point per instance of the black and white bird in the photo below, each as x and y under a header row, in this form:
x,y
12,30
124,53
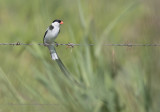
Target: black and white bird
x,y
48,40
50,36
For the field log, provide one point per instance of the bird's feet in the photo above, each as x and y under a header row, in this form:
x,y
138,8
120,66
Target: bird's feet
x,y
56,44
45,44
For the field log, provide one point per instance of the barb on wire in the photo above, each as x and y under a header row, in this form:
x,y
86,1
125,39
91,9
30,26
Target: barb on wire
x,y
72,44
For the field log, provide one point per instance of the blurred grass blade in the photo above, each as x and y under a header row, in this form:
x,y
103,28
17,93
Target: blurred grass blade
x,y
11,87
31,91
81,14
66,73
109,28
36,51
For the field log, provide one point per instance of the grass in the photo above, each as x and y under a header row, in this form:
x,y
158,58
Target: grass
x,y
114,79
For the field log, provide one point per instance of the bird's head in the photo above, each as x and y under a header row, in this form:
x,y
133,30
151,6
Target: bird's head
x,y
57,22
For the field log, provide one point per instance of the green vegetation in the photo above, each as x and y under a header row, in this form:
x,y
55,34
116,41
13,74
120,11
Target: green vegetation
x,y
114,79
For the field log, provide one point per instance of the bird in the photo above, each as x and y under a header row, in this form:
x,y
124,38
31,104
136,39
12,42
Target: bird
x,y
50,35
49,40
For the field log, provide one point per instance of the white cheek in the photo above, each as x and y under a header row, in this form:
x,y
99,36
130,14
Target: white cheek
x,y
55,24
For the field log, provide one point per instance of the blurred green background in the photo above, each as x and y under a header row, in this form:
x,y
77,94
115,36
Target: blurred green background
x,y
115,79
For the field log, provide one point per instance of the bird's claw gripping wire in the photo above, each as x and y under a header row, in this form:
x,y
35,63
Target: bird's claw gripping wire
x,y
56,44
45,44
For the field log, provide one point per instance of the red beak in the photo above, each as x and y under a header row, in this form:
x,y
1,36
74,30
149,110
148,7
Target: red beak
x,y
61,22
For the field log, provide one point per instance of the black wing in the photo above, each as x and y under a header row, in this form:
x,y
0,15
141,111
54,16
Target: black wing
x,y
51,27
44,36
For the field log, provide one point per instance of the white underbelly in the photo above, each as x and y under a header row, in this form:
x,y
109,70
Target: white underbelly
x,y
51,36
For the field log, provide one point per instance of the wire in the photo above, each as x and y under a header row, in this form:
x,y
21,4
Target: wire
x,y
72,44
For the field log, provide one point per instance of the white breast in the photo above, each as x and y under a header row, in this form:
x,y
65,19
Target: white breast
x,y
51,35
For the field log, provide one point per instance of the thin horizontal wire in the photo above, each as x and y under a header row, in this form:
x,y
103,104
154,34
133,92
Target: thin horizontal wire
x,y
72,44
32,104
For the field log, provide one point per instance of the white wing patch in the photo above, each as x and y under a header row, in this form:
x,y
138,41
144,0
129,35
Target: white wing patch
x,y
54,56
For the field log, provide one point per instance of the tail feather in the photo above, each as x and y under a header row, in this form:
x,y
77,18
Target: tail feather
x,y
54,56
60,64
53,53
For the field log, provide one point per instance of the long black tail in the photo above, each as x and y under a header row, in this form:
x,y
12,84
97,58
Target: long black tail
x,y
63,68
55,57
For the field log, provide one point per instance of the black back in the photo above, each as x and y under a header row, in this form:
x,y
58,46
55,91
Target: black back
x,y
44,36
